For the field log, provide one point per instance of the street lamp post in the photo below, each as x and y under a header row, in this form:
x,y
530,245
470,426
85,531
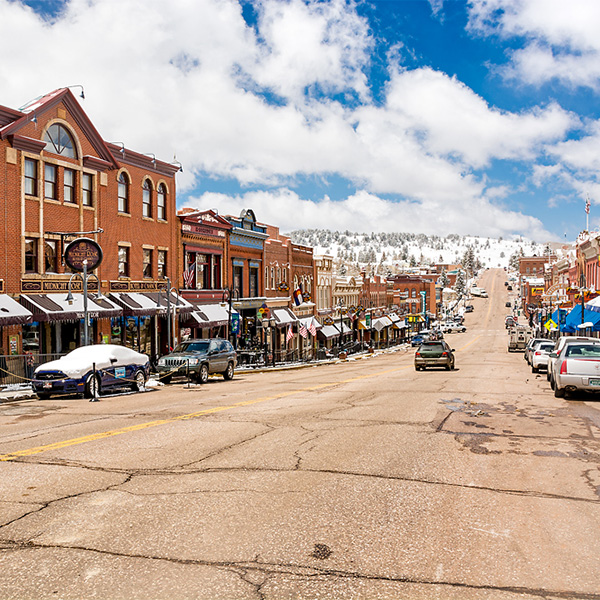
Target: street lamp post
x,y
169,290
230,294
268,324
84,277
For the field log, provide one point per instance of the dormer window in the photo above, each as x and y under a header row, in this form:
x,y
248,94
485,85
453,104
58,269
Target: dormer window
x,y
59,141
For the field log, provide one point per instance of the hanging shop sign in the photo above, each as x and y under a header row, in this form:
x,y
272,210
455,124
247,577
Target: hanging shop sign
x,y
80,250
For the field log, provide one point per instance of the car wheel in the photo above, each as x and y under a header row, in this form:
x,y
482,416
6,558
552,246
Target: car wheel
x,y
559,392
92,387
202,376
140,381
166,379
534,369
43,395
228,374
448,366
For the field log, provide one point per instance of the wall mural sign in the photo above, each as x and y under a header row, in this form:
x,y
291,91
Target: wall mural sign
x,y
80,250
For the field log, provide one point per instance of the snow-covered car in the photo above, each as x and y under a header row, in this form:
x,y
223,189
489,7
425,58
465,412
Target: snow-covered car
x,y
88,370
453,327
539,356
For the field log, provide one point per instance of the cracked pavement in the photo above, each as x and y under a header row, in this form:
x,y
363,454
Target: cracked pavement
x,y
356,480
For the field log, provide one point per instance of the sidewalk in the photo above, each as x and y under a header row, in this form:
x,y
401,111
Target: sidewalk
x,y
23,391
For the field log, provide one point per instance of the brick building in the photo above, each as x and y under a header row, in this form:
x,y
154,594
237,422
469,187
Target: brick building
x,y
61,181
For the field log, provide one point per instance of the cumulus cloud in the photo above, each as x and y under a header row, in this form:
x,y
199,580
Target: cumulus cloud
x,y
366,212
280,99
561,38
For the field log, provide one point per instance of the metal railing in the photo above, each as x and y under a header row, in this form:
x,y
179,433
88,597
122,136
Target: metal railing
x,y
19,368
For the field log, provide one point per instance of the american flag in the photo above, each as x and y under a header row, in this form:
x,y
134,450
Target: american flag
x,y
290,334
302,331
312,329
188,274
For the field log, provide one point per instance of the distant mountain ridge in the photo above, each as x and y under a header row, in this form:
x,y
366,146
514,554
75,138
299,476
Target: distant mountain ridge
x,y
383,253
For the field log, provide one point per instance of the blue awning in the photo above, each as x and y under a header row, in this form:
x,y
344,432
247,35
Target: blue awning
x,y
574,319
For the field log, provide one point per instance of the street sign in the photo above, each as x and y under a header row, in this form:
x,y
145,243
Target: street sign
x,y
368,320
550,325
80,250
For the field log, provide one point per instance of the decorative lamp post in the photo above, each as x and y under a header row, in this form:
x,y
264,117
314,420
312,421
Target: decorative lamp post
x,y
168,290
83,255
84,277
269,324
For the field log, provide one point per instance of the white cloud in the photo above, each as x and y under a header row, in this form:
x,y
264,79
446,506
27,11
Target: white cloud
x,y
365,212
260,105
561,37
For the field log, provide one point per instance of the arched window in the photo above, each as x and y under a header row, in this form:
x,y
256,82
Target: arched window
x,y
59,141
123,205
161,202
147,199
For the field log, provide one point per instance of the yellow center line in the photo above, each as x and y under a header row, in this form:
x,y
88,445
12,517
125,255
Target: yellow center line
x,y
107,434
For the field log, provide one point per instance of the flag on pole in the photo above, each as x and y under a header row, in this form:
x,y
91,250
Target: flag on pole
x,y
298,297
302,331
587,206
312,329
188,274
290,334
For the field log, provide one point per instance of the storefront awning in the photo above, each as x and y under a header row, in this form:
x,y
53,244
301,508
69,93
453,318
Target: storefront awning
x,y
381,323
211,315
54,307
284,317
345,328
13,313
308,321
149,304
328,332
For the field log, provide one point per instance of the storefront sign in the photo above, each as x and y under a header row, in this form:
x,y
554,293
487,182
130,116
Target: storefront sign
x,y
537,291
44,286
83,252
136,286
202,229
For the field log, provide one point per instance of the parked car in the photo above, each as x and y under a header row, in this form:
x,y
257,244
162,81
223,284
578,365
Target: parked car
x,y
531,345
89,370
417,340
507,304
509,288
540,355
197,359
453,327
469,308
577,368
563,341
434,354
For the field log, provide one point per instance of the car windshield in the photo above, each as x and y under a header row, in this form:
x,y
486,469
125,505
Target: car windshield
x,y
193,346
583,351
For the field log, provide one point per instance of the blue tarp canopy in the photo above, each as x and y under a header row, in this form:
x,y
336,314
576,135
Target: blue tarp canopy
x,y
574,319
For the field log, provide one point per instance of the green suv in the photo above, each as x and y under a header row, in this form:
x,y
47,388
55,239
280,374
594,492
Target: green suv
x,y
434,354
197,359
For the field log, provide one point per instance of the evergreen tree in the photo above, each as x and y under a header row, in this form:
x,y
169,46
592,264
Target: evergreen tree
x,y
460,284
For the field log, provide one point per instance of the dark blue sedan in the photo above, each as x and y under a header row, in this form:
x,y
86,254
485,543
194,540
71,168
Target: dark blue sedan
x,y
91,369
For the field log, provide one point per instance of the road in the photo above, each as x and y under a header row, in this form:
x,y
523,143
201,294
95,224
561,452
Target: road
x,y
360,479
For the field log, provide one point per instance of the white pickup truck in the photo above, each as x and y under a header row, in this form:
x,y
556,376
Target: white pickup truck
x,y
577,367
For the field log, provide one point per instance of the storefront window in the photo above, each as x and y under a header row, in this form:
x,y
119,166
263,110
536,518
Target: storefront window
x,y
145,335
116,325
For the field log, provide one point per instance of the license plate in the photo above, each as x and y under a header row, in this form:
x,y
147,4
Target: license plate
x,y
47,384
594,381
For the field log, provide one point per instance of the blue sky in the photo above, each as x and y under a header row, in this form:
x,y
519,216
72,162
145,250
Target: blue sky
x,y
435,116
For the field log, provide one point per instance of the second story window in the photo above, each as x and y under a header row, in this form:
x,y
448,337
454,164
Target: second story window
x,y
31,253
59,141
161,264
147,199
50,257
253,282
123,261
31,175
123,204
69,185
50,191
161,203
87,189
147,263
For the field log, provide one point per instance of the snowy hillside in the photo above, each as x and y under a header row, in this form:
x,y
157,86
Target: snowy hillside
x,y
384,252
